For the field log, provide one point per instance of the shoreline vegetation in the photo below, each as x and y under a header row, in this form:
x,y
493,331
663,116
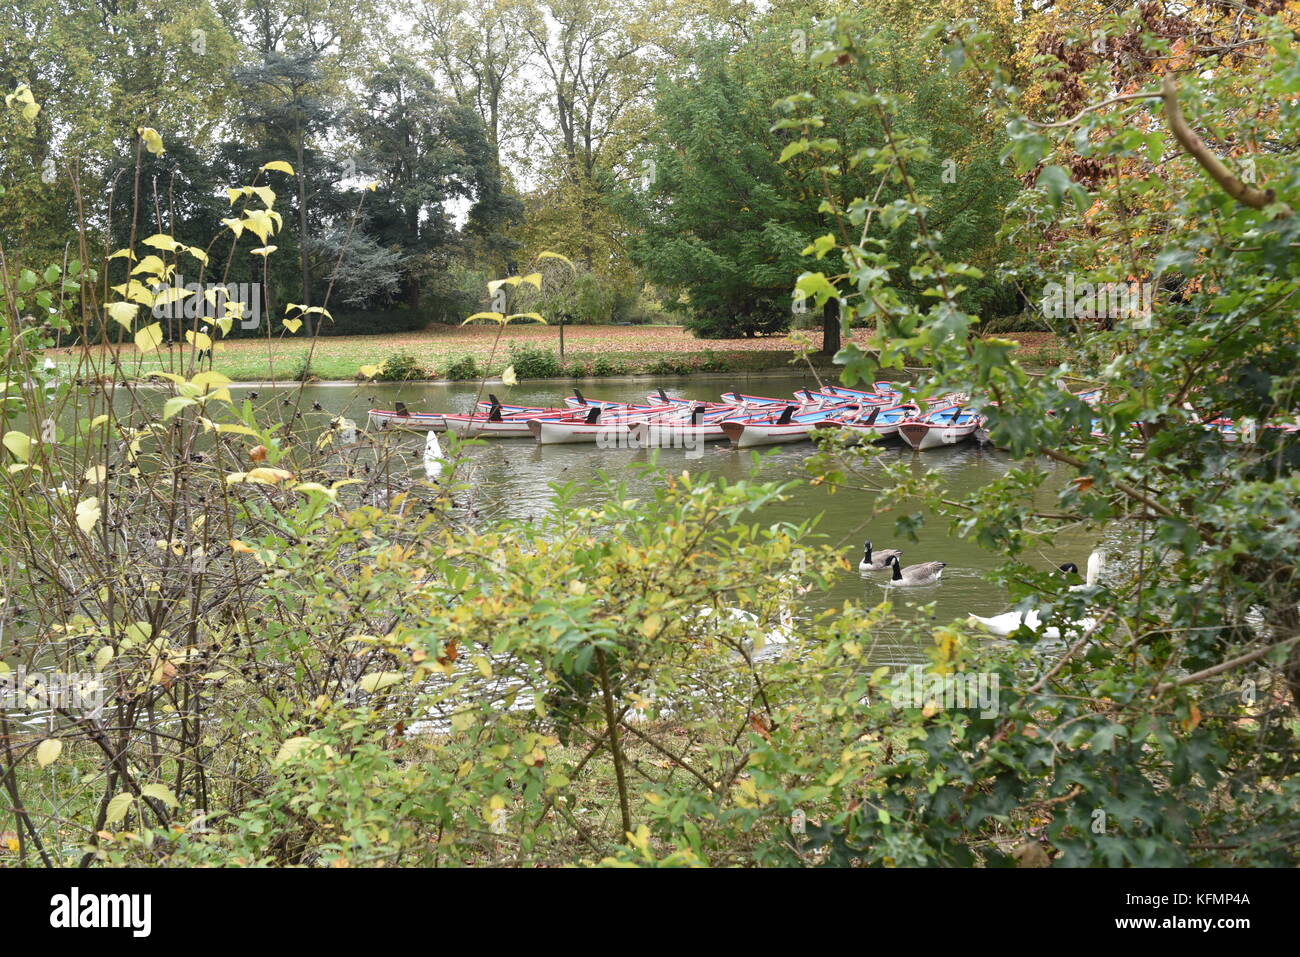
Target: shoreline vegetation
x,y
442,354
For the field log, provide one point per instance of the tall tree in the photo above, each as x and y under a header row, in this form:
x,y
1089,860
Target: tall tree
x,y
729,216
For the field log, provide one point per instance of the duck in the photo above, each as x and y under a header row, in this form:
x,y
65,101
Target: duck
x,y
878,561
926,573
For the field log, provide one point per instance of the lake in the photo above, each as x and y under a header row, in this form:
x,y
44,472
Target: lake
x,y
513,477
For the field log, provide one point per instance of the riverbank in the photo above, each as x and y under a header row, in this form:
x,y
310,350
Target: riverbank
x,y
444,353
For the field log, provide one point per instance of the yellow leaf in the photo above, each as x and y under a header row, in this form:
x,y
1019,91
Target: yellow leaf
x,y
149,338
264,250
160,792
88,513
19,444
118,807
280,166
291,749
152,141
48,751
508,377
162,241
293,325
535,278
199,340
535,316
370,371
494,316
151,265
378,681
122,313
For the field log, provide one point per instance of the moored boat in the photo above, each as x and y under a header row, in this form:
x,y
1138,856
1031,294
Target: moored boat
x,y
873,422
946,426
791,425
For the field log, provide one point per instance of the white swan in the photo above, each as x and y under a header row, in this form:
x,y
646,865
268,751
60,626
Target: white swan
x,y
1004,624
434,462
1008,622
1095,562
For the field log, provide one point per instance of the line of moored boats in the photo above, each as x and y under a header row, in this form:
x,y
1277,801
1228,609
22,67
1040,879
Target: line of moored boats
x,y
744,420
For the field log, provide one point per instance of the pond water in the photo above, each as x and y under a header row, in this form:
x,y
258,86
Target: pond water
x,y
514,477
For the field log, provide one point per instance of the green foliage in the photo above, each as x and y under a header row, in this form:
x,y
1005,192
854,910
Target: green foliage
x,y
534,362
729,221
1146,735
462,367
402,367
605,366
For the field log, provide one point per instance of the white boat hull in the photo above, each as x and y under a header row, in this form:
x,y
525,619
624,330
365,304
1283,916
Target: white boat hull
x,y
746,435
479,427
923,436
413,422
654,435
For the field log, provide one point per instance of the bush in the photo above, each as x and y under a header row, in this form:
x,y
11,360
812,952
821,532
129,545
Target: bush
x,y
402,367
670,366
748,320
534,362
605,366
462,367
712,362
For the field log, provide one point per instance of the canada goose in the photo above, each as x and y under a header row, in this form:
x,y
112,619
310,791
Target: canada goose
x,y
1095,562
878,561
927,573
434,465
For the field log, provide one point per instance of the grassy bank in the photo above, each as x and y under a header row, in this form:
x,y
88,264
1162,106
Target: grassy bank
x,y
443,352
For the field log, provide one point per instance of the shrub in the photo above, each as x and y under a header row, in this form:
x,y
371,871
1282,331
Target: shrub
x,y
605,366
668,365
752,319
462,367
534,362
402,367
712,362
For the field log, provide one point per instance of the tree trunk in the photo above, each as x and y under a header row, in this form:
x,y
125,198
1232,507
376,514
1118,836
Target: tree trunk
x,y
831,327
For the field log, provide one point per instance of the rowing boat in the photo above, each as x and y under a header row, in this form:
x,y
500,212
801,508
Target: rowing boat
x,y
873,423
790,426
946,426
597,422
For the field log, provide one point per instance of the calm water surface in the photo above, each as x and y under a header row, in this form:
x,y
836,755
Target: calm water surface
x,y
514,477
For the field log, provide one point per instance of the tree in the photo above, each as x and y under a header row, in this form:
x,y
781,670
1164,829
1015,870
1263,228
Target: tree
x,y
731,220
1160,730
428,153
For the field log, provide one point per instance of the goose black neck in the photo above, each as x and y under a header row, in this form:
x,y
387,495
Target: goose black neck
x,y
898,575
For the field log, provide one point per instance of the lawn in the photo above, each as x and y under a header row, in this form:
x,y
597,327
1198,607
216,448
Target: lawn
x,y
589,350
